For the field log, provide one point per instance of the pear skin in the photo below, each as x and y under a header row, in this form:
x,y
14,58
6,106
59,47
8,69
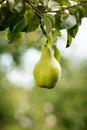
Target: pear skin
x,y
48,70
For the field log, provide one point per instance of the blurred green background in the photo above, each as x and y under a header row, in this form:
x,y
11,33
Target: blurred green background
x,y
24,106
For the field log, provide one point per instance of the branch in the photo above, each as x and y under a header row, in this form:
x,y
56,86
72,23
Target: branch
x,y
34,8
42,28
61,11
40,14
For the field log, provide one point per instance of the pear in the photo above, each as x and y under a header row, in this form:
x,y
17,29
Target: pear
x,y
48,70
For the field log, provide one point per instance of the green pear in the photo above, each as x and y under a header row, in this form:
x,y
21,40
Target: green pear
x,y
48,70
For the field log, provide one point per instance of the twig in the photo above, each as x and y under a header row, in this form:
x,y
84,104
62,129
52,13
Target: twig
x,y
34,8
60,11
42,28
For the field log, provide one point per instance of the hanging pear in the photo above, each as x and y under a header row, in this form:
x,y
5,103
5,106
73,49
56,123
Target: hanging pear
x,y
48,70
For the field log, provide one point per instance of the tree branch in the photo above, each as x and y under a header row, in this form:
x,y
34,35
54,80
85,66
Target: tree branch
x,y
61,11
34,8
42,28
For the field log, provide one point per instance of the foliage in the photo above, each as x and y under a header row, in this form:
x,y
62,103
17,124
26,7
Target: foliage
x,y
50,16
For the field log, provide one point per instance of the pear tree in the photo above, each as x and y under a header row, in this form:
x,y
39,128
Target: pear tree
x,y
50,17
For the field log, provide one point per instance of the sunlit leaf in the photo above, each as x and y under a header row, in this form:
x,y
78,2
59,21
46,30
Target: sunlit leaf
x,y
57,32
63,2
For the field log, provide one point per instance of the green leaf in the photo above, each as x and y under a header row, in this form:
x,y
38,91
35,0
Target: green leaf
x,y
68,22
69,40
57,53
73,31
15,18
50,39
41,8
3,13
52,18
85,9
8,19
32,20
48,22
13,37
44,2
58,21
16,5
75,12
81,10
57,32
66,2
63,2
20,25
41,2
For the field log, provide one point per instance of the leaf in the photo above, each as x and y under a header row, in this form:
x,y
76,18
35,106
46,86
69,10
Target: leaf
x,y
16,17
9,19
44,2
57,32
20,25
73,31
13,37
69,40
52,18
41,2
57,21
6,22
32,20
57,53
69,22
63,2
66,2
4,11
85,9
50,39
48,23
75,12
16,5
81,10
41,8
